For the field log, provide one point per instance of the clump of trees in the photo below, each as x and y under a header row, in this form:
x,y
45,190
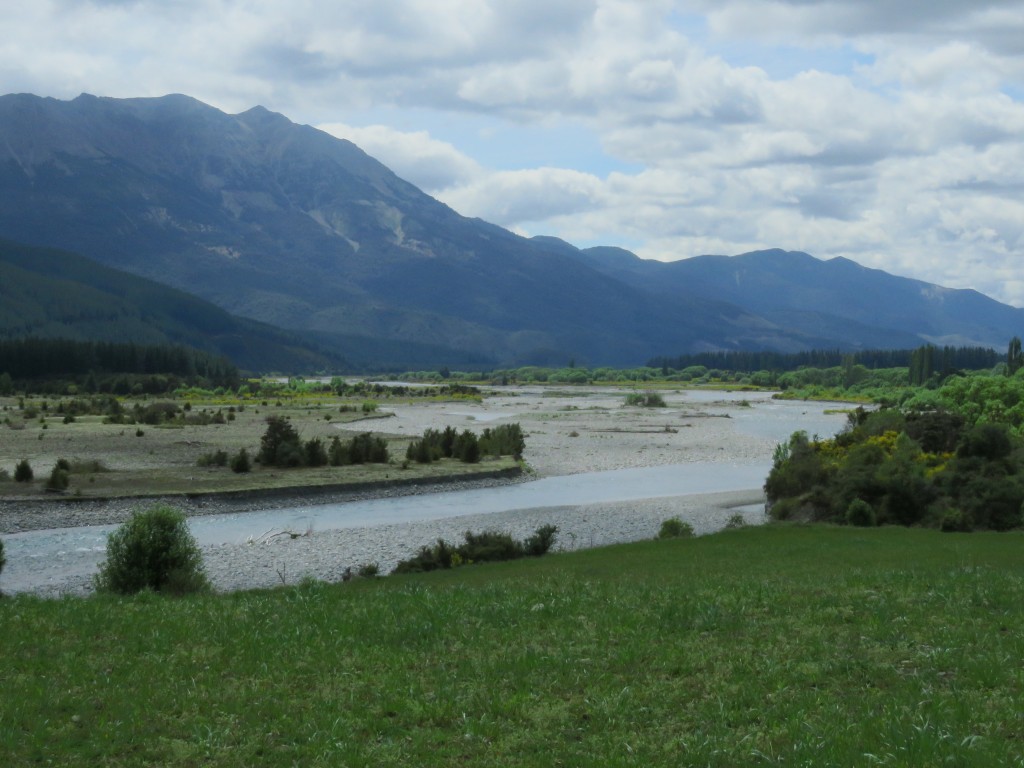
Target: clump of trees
x,y
938,468
504,440
281,446
488,546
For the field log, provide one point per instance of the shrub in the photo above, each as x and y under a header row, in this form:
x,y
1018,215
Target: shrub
x,y
674,528
645,399
488,546
861,514
467,448
218,458
366,448
368,570
59,477
280,445
541,541
23,471
153,550
506,440
3,558
955,521
240,462
316,454
736,521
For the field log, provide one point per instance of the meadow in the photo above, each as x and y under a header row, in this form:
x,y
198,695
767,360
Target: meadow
x,y
784,644
112,459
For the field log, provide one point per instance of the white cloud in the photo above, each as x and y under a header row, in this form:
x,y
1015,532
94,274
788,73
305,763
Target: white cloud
x,y
430,164
512,198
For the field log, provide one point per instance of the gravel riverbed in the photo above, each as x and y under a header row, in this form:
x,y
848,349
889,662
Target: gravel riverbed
x,y
564,437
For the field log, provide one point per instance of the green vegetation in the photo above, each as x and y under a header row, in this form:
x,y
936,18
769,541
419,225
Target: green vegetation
x,y
485,547
950,457
645,399
23,472
189,442
779,645
153,550
675,528
53,365
504,440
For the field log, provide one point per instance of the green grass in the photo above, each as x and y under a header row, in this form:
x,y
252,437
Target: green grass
x,y
796,646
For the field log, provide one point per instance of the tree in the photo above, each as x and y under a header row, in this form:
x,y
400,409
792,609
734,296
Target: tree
x,y
1014,360
280,445
240,462
23,471
153,550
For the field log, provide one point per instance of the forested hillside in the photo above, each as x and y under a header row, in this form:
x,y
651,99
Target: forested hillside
x,y
51,294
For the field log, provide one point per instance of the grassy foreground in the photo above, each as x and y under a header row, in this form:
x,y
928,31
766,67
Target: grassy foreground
x,y
806,646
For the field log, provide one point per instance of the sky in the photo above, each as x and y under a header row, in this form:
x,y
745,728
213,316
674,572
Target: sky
x,y
890,132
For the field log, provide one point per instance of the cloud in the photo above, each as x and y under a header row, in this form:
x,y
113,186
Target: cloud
x,y
428,163
514,198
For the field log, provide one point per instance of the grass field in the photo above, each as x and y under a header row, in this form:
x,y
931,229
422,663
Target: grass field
x,y
146,460
780,645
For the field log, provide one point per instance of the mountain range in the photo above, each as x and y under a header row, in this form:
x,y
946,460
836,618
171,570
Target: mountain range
x,y
287,225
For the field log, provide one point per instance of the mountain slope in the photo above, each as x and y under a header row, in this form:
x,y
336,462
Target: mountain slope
x,y
286,224
843,298
48,293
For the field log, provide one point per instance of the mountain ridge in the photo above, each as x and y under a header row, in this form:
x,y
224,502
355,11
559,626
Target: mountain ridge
x,y
288,225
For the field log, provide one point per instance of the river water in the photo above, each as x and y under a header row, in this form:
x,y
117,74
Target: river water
x,y
81,549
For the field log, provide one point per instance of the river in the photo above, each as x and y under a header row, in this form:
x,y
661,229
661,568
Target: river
x,y
40,555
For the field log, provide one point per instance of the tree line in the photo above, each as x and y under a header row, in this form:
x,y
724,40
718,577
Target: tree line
x,y
35,360
938,358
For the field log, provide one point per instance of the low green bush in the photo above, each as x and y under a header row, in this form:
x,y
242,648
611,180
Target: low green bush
x,y
59,476
861,514
674,528
23,472
153,550
217,458
488,546
645,399
240,462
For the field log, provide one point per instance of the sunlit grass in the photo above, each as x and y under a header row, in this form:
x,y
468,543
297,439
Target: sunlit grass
x,y
768,646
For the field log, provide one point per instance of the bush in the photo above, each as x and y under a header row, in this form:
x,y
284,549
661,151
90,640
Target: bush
x,y
467,448
645,399
59,477
736,521
955,521
280,445
368,570
153,550
23,472
489,546
674,528
541,541
240,462
217,458
861,514
3,558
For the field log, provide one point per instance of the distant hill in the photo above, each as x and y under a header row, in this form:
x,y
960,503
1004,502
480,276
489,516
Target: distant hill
x,y
48,293
847,301
287,225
